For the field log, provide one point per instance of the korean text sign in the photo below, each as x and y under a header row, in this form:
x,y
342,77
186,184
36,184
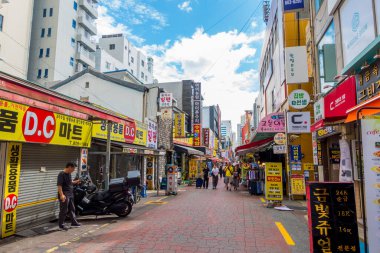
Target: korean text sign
x,y
368,82
332,218
130,132
166,100
11,187
152,134
197,135
272,123
371,164
296,65
273,181
28,124
295,153
179,125
298,184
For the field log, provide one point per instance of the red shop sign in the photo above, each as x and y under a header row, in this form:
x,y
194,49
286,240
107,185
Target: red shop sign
x,y
342,98
130,132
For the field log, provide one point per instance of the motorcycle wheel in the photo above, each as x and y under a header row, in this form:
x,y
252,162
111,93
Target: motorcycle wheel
x,y
125,212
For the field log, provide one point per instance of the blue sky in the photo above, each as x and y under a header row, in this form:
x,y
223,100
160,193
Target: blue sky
x,y
211,41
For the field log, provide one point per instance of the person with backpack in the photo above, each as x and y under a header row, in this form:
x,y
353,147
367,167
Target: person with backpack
x,y
228,175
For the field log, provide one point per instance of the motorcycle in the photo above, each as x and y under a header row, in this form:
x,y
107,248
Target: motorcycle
x,y
89,201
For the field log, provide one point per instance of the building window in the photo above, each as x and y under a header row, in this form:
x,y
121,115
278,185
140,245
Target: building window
x,y
39,73
41,52
74,24
49,32
42,32
132,60
142,75
87,85
108,65
71,61
327,59
142,63
72,42
1,22
44,13
47,52
51,12
75,6
46,73
112,46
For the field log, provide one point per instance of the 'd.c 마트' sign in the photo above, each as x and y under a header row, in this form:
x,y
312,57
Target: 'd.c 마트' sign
x,y
24,123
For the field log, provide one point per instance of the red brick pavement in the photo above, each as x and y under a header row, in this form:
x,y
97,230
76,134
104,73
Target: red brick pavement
x,y
197,220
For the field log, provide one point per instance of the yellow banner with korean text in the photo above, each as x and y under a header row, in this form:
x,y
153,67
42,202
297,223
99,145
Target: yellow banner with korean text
x,y
273,181
24,123
179,125
130,132
298,184
11,187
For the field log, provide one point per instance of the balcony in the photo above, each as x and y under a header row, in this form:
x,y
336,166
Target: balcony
x,y
87,24
89,7
85,57
86,41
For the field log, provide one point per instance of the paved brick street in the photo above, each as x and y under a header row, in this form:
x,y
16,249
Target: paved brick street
x,y
196,220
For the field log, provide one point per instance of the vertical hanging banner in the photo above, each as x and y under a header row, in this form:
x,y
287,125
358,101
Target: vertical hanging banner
x,y
371,167
332,218
83,159
345,173
273,181
197,135
11,186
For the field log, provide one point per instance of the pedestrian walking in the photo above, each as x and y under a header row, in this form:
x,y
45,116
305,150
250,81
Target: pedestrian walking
x,y
221,170
66,196
228,170
215,176
206,173
235,178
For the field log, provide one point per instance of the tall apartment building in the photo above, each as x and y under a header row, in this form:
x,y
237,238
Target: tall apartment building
x,y
61,40
226,133
239,129
15,29
116,56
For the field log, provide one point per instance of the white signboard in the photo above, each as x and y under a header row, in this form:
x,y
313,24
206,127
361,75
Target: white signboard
x,y
166,100
357,25
279,149
151,141
371,165
280,139
298,122
299,99
296,65
319,110
345,173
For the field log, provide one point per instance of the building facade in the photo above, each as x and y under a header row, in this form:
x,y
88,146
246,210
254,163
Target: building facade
x,y
15,31
62,41
132,60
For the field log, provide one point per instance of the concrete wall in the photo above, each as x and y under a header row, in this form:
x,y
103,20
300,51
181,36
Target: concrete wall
x,y
15,37
102,57
107,94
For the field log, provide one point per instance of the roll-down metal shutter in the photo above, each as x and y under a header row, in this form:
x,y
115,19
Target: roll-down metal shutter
x,y
38,189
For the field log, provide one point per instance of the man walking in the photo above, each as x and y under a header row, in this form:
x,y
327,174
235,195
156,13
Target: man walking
x,y
215,176
66,196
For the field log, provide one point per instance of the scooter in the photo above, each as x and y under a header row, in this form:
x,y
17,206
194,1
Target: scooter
x,y
89,201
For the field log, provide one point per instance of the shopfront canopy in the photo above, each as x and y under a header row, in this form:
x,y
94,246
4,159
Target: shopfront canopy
x,y
255,145
187,150
370,103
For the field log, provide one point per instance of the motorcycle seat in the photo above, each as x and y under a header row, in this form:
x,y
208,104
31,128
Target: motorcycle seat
x,y
99,196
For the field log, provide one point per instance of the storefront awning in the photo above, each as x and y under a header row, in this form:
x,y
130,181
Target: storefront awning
x,y
372,102
126,148
187,150
253,145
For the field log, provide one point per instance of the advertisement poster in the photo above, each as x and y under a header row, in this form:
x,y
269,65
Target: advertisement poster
x,y
273,181
272,123
332,218
298,184
166,100
11,187
130,132
28,124
151,141
345,173
371,165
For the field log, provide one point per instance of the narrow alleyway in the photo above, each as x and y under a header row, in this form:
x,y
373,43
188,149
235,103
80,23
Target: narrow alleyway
x,y
196,220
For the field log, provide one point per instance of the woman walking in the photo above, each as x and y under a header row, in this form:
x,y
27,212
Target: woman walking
x,y
215,176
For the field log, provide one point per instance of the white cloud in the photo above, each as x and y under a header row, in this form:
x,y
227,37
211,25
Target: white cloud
x,y
254,24
106,24
185,6
213,60
136,12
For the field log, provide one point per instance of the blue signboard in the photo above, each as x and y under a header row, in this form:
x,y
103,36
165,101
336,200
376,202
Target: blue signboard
x,y
291,5
295,153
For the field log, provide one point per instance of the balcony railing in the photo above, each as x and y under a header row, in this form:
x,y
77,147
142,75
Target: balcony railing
x,y
90,7
86,40
85,57
87,23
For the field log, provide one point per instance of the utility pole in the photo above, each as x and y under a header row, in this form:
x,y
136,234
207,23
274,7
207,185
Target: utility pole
x,y
108,156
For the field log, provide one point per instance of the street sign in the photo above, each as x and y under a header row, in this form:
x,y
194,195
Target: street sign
x,y
280,139
299,99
